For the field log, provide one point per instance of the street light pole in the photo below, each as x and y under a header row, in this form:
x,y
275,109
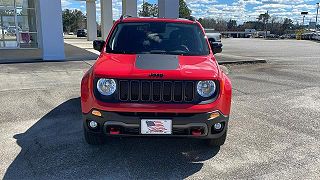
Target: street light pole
x,y
304,13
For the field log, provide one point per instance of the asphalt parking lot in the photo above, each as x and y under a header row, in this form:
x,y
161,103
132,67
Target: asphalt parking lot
x,y
274,129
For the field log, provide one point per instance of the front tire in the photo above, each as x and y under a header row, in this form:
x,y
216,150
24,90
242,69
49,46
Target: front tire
x,y
217,142
93,138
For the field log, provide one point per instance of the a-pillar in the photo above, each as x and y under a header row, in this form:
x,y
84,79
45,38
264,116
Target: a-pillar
x,y
129,7
91,20
168,8
106,18
49,17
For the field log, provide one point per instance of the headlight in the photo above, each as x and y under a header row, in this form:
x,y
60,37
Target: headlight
x,y
106,86
206,88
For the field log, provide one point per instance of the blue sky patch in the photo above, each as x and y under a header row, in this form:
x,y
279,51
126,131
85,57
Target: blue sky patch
x,y
240,10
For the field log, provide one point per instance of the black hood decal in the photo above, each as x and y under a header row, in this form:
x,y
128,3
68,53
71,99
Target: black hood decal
x,y
157,62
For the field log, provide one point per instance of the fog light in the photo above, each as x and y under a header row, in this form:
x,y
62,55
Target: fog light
x,y
93,124
217,126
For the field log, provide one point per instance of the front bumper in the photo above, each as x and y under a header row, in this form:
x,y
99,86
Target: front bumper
x,y
183,124
217,44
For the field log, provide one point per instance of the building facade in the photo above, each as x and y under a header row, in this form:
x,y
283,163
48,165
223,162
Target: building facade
x,y
18,26
37,24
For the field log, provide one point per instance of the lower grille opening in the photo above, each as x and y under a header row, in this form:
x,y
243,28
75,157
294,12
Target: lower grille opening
x,y
132,131
136,131
178,131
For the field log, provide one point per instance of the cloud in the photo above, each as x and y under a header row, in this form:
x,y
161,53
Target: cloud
x,y
240,10
65,4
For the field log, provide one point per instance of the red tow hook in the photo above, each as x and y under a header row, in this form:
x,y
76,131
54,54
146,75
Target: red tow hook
x,y
196,132
114,131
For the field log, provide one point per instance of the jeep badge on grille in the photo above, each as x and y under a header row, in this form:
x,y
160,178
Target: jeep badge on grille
x,y
154,75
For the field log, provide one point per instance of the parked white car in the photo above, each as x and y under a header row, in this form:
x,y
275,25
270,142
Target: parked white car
x,y
3,31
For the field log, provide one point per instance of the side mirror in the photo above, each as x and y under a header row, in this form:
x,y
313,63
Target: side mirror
x,y
98,45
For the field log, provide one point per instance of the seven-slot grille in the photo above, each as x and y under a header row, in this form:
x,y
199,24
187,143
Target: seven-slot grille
x,y
153,91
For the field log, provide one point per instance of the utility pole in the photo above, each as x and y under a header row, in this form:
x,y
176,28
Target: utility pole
x,y
266,21
317,16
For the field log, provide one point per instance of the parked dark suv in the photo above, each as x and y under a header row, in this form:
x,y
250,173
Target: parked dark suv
x,y
81,33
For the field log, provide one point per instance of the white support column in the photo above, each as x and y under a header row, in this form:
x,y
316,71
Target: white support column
x,y
129,7
106,18
50,29
91,20
168,8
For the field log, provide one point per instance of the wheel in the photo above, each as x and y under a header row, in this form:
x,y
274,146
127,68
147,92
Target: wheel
x,y
92,138
217,142
217,50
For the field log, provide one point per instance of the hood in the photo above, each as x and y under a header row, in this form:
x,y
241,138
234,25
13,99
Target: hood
x,y
172,67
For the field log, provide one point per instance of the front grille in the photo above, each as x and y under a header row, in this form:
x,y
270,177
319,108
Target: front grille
x,y
147,91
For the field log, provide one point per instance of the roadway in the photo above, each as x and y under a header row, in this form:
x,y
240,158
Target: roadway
x,y
274,128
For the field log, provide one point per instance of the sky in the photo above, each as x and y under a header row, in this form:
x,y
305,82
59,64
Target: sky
x,y
240,10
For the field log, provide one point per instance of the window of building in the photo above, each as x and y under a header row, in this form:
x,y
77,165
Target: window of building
x,y
18,27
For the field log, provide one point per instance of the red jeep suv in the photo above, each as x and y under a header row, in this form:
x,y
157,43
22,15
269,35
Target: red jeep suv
x,y
156,77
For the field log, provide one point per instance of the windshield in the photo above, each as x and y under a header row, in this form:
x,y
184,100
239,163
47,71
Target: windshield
x,y
158,38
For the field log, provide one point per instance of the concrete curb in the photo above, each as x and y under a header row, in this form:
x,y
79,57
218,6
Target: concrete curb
x,y
30,61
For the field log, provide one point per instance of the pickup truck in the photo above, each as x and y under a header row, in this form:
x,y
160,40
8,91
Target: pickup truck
x,y
214,39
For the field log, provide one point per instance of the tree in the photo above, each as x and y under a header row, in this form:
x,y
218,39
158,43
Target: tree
x,y
221,25
149,10
208,23
286,25
232,25
73,20
152,10
66,20
275,25
264,17
184,11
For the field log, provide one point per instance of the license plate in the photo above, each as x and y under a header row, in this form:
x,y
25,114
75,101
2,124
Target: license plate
x,y
156,126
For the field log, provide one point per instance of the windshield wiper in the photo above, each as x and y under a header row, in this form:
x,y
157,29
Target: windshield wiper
x,y
178,52
120,52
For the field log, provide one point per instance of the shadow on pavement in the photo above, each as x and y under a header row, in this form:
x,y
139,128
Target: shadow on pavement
x,y
74,53
54,148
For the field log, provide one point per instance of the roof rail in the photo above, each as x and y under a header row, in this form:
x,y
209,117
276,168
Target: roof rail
x,y
192,18
124,17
